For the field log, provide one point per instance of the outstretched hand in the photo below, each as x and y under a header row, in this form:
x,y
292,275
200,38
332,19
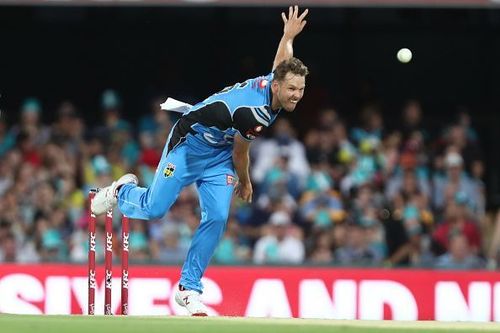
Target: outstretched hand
x,y
293,23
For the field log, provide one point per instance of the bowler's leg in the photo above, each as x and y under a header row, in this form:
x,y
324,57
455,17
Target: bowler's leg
x,y
171,176
215,200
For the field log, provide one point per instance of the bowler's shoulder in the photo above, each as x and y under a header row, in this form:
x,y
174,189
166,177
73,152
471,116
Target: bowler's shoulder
x,y
262,82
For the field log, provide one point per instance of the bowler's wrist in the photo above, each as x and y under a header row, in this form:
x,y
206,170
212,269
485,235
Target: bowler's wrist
x,y
244,182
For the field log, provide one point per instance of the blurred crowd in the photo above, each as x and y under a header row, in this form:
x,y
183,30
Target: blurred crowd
x,y
356,194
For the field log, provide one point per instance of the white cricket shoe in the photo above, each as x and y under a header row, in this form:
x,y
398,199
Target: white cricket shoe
x,y
190,299
105,199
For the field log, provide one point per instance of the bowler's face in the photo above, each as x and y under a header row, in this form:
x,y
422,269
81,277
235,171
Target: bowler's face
x,y
289,91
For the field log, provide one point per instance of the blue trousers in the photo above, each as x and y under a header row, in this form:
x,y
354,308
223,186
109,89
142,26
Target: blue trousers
x,y
212,170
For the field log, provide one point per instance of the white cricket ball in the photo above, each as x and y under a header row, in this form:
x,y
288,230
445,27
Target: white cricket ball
x,y
404,55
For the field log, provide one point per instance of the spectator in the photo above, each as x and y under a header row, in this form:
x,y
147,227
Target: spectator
x,y
464,120
281,144
139,242
407,242
30,124
322,208
390,155
281,173
371,129
7,171
67,132
150,155
457,137
8,248
357,249
7,138
407,184
111,105
459,255
253,218
170,248
230,250
157,120
455,181
280,243
457,221
322,249
412,120
366,168
327,119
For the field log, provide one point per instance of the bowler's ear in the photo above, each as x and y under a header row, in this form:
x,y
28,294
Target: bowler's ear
x,y
274,86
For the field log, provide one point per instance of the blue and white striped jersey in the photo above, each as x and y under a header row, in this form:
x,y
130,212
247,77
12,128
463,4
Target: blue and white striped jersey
x,y
244,107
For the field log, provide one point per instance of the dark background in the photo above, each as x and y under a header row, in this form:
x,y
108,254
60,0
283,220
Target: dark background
x,y
75,53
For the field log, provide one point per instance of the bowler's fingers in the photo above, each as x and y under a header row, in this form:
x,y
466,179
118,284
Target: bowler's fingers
x,y
304,14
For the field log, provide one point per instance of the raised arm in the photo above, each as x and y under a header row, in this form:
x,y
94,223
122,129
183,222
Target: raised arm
x,y
293,25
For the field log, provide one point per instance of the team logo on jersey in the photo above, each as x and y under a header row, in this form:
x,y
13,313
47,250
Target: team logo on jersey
x,y
169,170
260,83
230,180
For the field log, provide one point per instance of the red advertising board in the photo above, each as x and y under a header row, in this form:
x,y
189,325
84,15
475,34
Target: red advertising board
x,y
306,292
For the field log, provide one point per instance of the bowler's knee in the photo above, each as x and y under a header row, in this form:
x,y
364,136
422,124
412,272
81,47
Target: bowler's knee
x,y
219,216
156,206
156,211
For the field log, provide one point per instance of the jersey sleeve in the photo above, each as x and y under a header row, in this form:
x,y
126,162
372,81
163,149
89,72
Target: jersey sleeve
x,y
251,121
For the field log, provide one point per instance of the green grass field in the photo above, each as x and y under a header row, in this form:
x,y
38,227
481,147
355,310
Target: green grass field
x,y
117,324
